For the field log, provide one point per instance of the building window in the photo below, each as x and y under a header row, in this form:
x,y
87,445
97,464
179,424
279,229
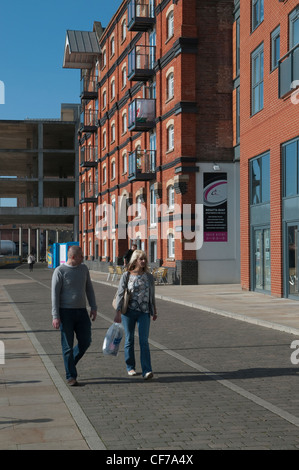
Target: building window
x,y
238,47
104,140
257,79
257,13
170,137
112,132
170,194
112,89
294,27
104,59
260,179
124,123
105,248
238,115
124,76
113,170
169,24
104,99
123,30
125,167
112,46
275,48
170,245
104,174
113,215
138,206
153,207
89,217
290,152
170,86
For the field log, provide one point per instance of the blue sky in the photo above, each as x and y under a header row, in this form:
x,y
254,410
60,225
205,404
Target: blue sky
x,y
32,38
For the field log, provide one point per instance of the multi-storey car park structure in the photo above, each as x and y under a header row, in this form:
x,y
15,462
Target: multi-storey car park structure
x,y
39,179
157,163
266,97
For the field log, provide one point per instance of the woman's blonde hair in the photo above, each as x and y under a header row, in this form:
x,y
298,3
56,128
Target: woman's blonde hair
x,y
135,256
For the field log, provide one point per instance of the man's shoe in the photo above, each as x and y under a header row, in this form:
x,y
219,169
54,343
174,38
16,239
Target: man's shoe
x,y
72,382
148,375
132,372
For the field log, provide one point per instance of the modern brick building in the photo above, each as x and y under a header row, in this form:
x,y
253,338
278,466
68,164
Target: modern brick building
x,y
266,74
156,138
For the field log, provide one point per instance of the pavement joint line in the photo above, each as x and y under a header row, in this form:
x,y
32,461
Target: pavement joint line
x,y
226,383
234,316
87,430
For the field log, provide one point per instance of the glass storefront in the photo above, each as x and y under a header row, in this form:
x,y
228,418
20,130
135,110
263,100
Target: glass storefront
x,y
262,259
292,254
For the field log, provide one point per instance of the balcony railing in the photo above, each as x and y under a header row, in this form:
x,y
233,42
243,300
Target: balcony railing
x,y
89,88
288,71
142,165
142,114
141,61
89,121
89,156
141,15
88,192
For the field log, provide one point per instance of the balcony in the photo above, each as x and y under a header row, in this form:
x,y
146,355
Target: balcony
x,y
89,121
288,72
142,114
89,156
88,192
142,165
141,15
89,88
141,61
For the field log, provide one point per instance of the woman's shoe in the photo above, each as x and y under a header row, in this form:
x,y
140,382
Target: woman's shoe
x,y
148,375
132,372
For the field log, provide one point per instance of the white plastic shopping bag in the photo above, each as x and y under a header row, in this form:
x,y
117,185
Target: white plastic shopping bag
x,y
112,339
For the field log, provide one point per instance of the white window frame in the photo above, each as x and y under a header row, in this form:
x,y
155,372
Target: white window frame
x,y
170,24
170,246
170,137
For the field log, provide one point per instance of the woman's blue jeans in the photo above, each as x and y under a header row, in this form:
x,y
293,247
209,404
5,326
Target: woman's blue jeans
x,y
74,322
129,322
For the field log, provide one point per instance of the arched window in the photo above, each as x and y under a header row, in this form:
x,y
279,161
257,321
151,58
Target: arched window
x,y
170,86
170,196
170,245
169,23
170,137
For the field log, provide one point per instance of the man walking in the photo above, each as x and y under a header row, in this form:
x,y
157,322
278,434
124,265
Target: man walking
x,y
127,256
71,284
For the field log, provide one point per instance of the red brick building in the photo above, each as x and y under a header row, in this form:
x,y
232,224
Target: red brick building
x,y
156,135
266,73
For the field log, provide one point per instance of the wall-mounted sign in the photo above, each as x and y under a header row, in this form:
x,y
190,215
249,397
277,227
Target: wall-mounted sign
x,y
215,207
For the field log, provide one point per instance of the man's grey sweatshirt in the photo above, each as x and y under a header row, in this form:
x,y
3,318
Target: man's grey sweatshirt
x,y
70,287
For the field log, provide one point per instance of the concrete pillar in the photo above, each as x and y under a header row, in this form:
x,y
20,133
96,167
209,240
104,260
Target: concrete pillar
x,y
37,245
29,241
76,228
20,242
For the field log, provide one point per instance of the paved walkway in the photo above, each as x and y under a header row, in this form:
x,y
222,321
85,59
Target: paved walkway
x,y
38,411
231,301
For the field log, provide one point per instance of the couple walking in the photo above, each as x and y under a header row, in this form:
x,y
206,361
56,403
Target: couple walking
x,y
71,284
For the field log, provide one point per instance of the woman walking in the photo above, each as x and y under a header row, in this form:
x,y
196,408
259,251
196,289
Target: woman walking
x,y
141,287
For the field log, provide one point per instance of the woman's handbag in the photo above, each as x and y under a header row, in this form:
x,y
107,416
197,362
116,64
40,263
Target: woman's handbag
x,y
125,304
